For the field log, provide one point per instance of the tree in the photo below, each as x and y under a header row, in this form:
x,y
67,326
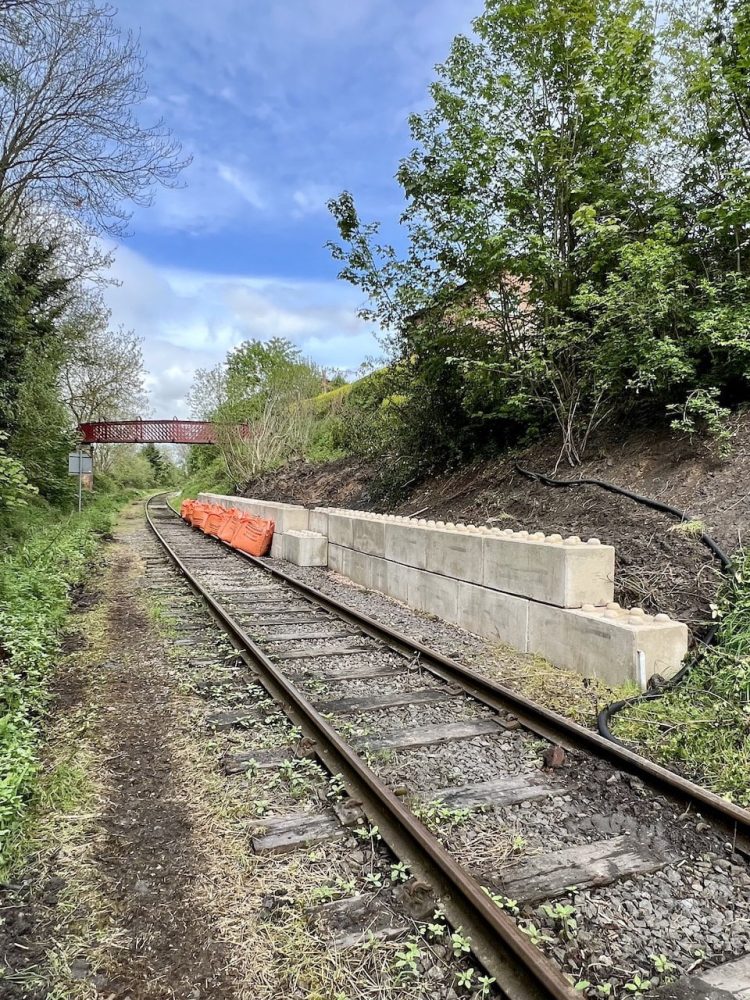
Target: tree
x,y
255,397
536,122
208,391
257,370
32,298
102,379
163,469
70,140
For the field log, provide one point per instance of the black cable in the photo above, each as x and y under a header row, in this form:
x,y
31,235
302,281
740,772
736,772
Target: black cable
x,y
609,711
666,508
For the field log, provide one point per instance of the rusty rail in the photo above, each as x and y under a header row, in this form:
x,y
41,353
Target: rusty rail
x,y
521,970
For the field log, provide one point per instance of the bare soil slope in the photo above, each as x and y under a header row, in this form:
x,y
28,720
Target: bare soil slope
x,y
657,567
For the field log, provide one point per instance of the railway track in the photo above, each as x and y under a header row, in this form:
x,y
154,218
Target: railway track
x,y
533,834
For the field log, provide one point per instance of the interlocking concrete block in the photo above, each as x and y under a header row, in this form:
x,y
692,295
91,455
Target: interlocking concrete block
x,y
455,553
406,542
305,548
340,528
287,516
435,594
358,567
336,558
374,573
566,574
611,643
318,520
379,577
277,546
368,535
401,581
493,615
217,498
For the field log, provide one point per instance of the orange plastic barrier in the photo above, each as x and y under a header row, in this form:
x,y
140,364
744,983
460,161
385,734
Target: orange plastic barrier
x,y
254,536
233,520
216,517
200,513
186,509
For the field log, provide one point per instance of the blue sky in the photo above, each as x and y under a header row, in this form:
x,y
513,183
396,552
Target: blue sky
x,y
281,104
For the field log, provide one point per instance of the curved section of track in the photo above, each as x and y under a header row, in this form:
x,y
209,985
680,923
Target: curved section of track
x,y
521,969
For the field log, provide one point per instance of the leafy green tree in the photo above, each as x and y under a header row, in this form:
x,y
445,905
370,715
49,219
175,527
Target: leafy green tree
x,y
164,471
537,119
32,298
577,214
256,370
256,399
15,489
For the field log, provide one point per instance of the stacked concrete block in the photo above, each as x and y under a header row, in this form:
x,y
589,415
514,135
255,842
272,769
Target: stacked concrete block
x,y
368,535
303,548
406,542
340,528
287,516
613,643
539,593
217,498
493,615
318,520
567,573
457,552
435,594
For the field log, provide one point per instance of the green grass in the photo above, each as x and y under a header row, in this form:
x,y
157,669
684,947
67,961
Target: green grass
x,y
703,727
51,553
213,478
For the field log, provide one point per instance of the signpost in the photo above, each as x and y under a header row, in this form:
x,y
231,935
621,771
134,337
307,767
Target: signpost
x,y
80,465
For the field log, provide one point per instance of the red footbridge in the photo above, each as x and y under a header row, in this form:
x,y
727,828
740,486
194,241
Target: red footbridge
x,y
149,432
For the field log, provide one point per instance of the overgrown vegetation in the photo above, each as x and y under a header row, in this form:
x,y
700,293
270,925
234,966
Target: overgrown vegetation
x,y
51,555
576,222
703,726
264,400
75,153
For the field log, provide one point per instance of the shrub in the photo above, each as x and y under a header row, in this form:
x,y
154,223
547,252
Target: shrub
x,y
703,726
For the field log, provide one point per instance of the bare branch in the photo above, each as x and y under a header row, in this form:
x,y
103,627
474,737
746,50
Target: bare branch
x,y
70,140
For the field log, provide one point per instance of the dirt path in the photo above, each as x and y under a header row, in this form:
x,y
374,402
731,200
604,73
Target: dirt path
x,y
109,903
141,882
149,857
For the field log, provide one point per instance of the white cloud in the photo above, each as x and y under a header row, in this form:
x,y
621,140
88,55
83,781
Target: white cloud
x,y
277,93
310,199
242,183
191,319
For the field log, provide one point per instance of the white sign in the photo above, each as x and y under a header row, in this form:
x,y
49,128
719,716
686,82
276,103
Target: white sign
x,y
85,467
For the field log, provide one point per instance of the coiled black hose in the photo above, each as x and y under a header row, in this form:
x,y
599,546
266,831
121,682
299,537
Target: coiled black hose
x,y
605,716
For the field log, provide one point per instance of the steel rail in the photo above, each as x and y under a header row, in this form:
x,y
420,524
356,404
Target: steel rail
x,y
731,818
522,972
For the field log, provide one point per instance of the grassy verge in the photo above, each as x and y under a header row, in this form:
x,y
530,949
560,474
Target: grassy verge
x,y
51,554
212,479
702,728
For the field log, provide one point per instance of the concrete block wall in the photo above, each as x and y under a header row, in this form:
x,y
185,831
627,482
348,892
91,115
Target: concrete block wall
x,y
290,519
567,573
613,643
303,548
539,593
